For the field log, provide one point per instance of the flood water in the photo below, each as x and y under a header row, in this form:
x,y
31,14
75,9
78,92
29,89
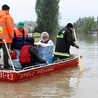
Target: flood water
x,y
64,84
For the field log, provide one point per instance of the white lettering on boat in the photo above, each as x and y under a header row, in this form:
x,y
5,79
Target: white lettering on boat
x,y
35,72
45,70
4,75
27,74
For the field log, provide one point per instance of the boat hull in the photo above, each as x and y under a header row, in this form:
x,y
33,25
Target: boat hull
x,y
17,76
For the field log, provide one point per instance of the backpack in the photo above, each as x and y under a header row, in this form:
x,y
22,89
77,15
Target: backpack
x,y
24,54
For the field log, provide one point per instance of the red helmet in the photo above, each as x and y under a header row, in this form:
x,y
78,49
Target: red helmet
x,y
13,54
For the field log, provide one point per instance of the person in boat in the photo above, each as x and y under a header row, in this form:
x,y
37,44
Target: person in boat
x,y
20,36
49,47
6,32
65,39
45,39
29,54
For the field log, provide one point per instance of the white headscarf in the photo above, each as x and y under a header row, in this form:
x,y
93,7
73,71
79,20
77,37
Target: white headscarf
x,y
44,34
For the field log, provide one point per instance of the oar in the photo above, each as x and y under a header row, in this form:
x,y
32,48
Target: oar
x,y
82,53
9,55
79,59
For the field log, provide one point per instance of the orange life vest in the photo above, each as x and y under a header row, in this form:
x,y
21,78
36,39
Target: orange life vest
x,y
20,37
19,34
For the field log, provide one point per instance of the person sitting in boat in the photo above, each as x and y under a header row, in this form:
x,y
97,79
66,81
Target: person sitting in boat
x,y
48,45
45,39
20,36
29,54
65,39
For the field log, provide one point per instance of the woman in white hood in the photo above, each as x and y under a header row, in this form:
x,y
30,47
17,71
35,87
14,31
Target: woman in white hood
x,y
45,39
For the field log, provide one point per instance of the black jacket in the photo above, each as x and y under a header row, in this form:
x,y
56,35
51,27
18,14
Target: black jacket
x,y
35,55
34,52
64,40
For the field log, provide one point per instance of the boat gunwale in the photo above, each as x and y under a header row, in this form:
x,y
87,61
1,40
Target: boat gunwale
x,y
41,66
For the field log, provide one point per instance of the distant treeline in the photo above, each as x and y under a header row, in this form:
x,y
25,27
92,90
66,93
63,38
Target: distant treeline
x,y
86,24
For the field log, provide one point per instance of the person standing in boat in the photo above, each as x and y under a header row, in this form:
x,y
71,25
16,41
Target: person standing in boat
x,y
29,54
65,39
20,36
6,32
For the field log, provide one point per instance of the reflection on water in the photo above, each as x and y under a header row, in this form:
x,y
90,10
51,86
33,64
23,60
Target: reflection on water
x,y
65,84
50,86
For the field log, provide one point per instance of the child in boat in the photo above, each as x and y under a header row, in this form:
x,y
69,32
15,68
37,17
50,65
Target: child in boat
x,y
29,54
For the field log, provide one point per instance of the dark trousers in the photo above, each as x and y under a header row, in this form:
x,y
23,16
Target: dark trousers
x,y
5,55
26,65
56,57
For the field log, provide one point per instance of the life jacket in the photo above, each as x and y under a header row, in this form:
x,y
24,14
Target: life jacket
x,y
20,39
6,27
25,55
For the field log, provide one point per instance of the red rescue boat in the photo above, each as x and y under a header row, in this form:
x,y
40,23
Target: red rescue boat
x,y
37,70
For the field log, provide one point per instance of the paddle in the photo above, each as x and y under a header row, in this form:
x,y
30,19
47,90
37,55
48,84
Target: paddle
x,y
79,59
9,55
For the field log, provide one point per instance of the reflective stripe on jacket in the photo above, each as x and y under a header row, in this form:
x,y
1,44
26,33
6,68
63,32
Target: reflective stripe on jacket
x,y
6,26
36,36
61,54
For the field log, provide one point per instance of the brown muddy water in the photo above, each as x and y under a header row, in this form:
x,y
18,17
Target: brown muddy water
x,y
64,84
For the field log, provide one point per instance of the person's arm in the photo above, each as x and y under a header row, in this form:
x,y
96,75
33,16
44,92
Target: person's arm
x,y
35,53
10,26
69,37
75,45
70,40
50,42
